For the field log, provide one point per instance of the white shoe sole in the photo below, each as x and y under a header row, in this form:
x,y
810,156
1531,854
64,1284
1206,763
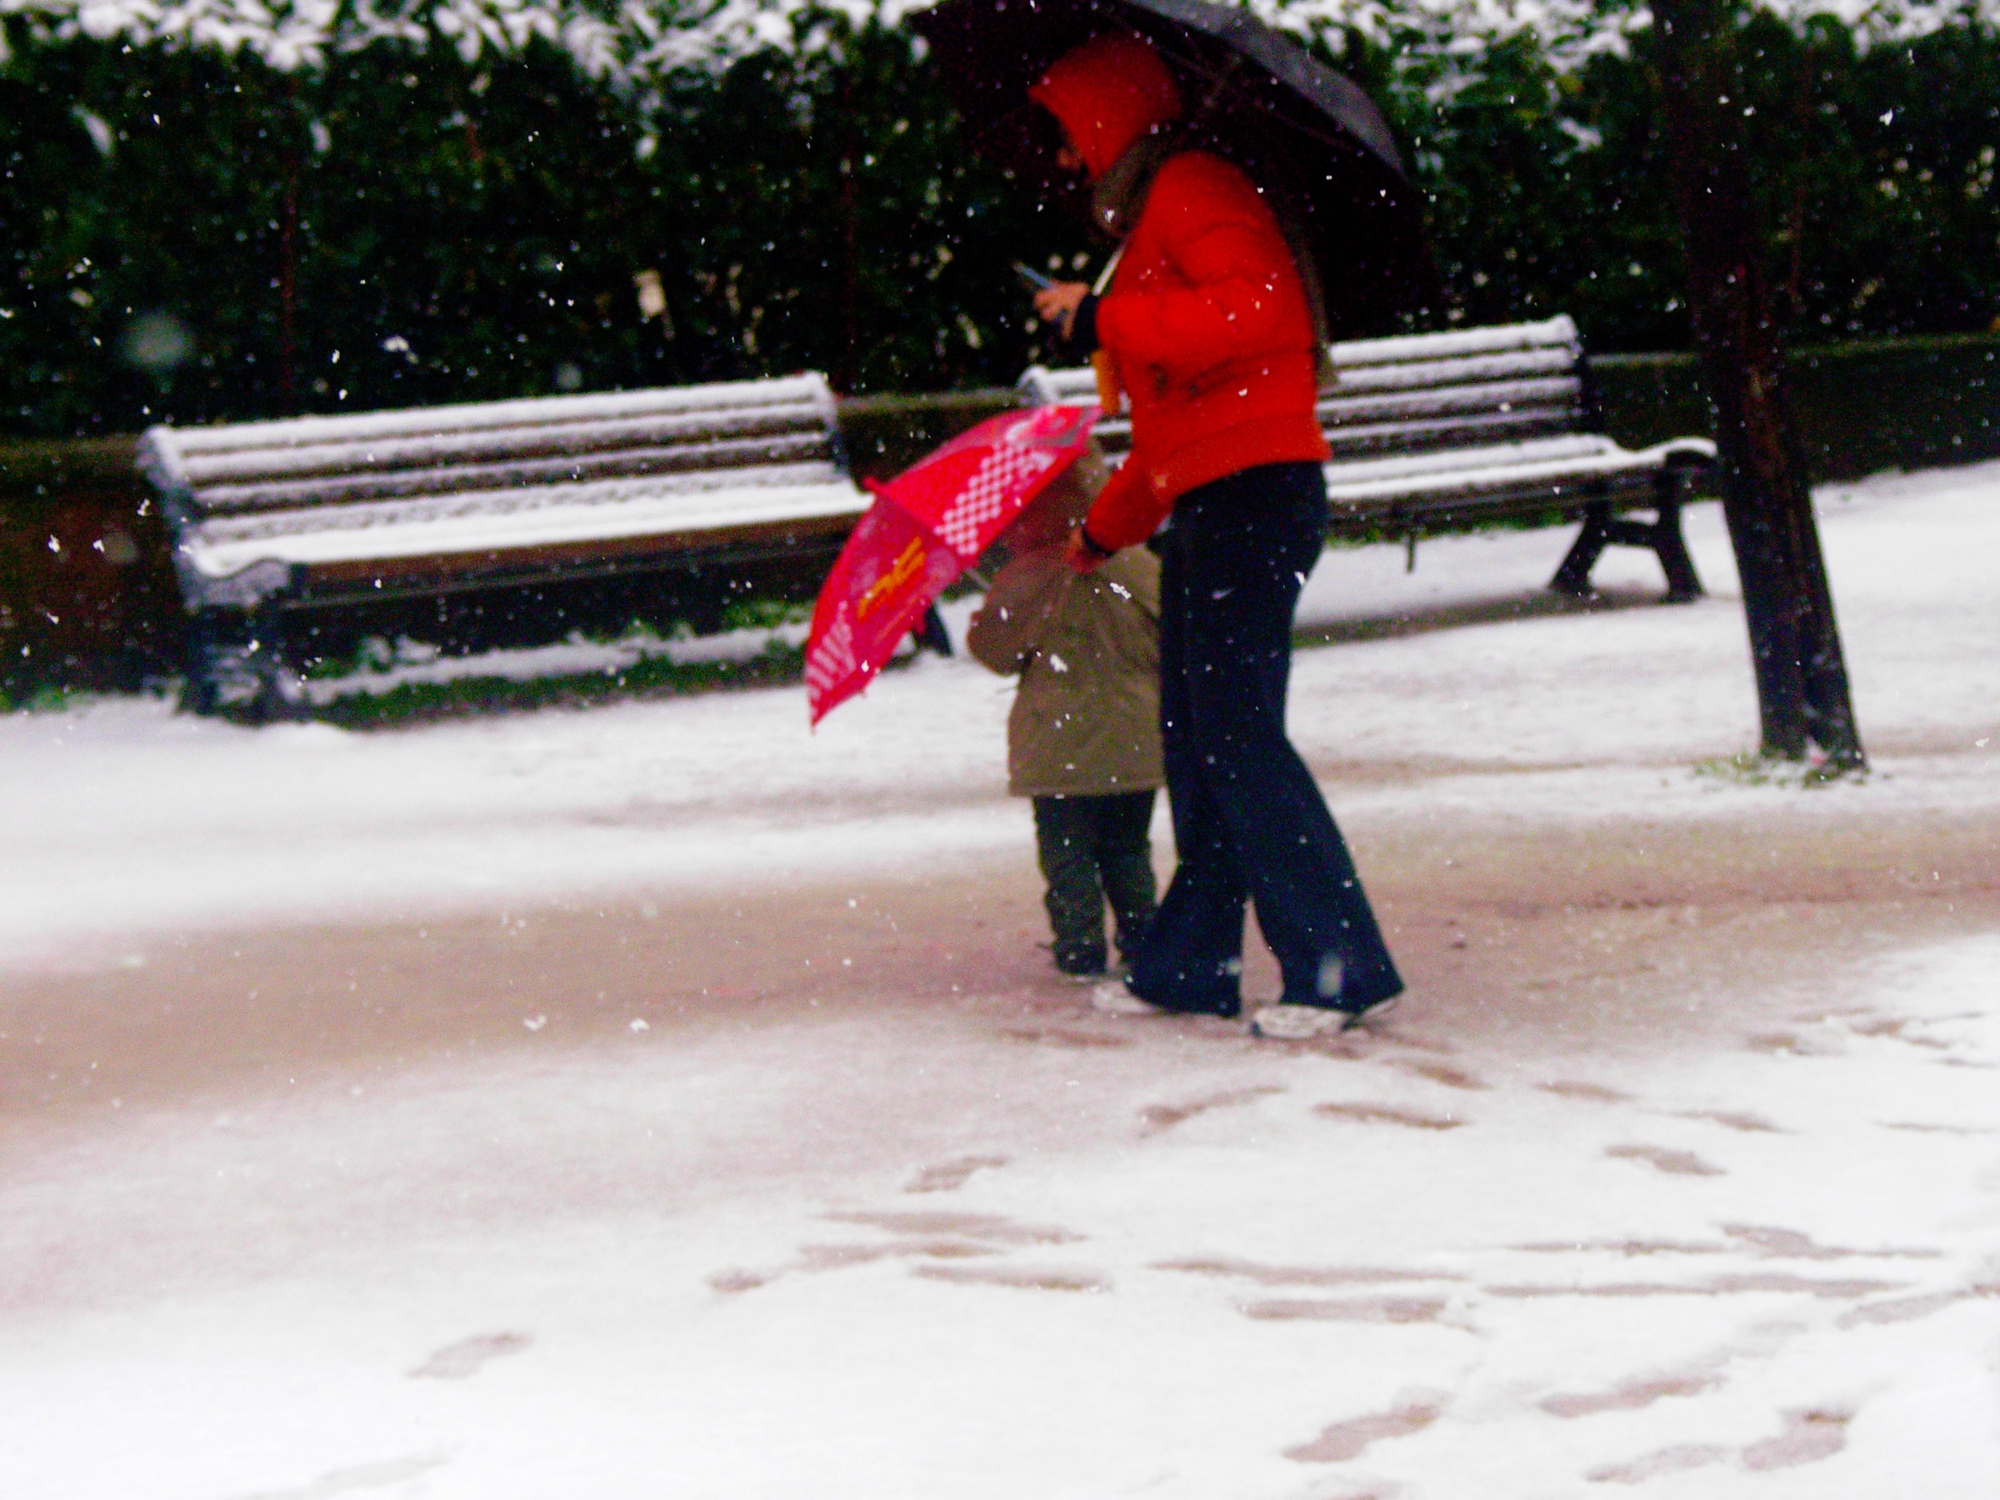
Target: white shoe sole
x,y
1299,1023
1373,1012
1116,1000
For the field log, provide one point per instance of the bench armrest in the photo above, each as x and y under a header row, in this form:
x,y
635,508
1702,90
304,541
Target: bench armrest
x,y
1683,453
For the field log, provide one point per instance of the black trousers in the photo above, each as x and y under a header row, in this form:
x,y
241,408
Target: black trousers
x,y
1094,848
1249,821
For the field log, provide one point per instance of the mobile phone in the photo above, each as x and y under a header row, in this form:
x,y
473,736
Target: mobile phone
x,y
1033,277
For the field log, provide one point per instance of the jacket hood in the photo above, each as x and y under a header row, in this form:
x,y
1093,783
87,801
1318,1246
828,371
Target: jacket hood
x,y
1107,94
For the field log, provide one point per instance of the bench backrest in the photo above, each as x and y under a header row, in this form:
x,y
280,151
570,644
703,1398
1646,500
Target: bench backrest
x,y
1417,394
227,487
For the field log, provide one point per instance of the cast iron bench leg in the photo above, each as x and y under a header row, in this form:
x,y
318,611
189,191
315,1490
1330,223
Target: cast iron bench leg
x,y
1683,583
280,692
1661,536
1573,577
202,692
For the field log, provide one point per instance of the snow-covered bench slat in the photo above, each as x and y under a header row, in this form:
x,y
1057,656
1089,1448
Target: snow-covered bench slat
x,y
338,486
269,519
1435,432
240,472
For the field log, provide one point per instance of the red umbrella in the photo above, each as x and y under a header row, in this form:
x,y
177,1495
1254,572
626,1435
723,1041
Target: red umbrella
x,y
927,526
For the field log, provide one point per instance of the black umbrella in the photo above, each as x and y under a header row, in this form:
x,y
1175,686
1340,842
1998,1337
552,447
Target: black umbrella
x,y
1311,139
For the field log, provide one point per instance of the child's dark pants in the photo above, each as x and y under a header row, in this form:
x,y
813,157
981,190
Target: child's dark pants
x,y
1094,848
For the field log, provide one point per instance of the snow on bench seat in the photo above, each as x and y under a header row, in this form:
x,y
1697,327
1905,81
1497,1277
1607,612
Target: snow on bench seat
x,y
1439,431
691,511
272,518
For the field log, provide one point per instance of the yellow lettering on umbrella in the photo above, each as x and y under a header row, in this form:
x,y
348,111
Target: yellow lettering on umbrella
x,y
908,564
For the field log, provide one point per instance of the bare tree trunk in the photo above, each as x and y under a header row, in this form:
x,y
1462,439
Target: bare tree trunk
x,y
288,291
288,259
1801,677
850,243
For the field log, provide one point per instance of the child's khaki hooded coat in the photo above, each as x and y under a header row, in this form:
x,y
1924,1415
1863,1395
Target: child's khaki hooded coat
x,y
1086,719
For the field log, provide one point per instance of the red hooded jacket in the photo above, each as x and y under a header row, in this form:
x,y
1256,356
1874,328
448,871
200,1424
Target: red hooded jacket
x,y
1206,320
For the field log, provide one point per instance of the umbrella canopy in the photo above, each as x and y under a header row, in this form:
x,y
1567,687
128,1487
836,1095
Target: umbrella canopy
x,y
928,525
1311,139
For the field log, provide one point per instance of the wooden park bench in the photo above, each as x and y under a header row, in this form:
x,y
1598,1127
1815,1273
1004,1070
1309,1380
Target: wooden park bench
x,y
271,522
1443,431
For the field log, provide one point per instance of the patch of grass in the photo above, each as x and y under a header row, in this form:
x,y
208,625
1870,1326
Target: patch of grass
x,y
45,699
62,698
751,614
370,654
415,703
1748,769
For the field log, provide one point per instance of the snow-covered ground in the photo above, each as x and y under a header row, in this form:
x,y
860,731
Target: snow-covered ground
x,y
124,817
661,1100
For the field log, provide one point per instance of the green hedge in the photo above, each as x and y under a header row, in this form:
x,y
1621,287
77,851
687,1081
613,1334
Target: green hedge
x,y
1860,407
192,236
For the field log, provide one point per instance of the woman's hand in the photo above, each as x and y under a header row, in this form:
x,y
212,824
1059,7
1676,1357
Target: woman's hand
x,y
1058,303
1080,555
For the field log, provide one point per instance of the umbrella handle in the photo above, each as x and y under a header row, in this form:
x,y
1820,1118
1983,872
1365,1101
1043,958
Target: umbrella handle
x,y
1110,395
1222,82
1110,399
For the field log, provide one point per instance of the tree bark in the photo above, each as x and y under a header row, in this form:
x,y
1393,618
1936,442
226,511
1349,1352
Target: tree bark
x,y
288,257
1802,686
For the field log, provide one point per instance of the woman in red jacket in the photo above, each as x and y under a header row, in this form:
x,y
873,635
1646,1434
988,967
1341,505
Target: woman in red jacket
x,y
1208,329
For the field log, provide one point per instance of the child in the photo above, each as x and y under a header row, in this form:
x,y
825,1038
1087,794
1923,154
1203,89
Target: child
x,y
1083,739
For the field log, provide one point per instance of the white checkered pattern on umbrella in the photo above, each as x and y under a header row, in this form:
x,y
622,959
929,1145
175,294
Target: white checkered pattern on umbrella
x,y
834,657
964,526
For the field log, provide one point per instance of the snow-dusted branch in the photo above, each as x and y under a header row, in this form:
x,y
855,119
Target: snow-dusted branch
x,y
639,41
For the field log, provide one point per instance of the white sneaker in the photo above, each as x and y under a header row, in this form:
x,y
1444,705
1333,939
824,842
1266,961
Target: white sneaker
x,y
1298,1023
1374,1012
1116,1000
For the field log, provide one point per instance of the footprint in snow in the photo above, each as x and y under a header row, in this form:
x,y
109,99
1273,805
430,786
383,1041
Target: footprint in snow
x,y
1438,1072
1673,1163
1596,1093
1350,1439
346,1481
842,1257
1160,1117
1626,1247
1897,1027
1909,1309
463,1359
1632,1395
1809,1437
1264,1275
1024,1278
946,1176
1816,1041
1923,1129
991,1228
1663,1461
1064,1036
1347,1310
1388,1114
1793,1244
931,1236
1735,1120
1734,1284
